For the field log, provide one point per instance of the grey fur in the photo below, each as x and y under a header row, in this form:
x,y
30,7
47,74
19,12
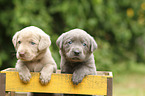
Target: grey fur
x,y
76,50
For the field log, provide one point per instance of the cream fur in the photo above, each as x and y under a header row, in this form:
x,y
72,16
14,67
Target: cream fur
x,y
33,54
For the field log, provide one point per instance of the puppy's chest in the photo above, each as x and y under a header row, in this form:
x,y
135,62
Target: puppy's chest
x,y
35,66
71,67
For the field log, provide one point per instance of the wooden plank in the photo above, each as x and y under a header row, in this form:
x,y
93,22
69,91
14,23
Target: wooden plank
x,y
60,83
109,86
2,84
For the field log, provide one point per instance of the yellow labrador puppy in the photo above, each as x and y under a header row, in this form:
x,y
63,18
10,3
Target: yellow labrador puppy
x,y
33,54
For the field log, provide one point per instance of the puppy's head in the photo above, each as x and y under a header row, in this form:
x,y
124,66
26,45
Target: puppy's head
x,y
30,42
76,45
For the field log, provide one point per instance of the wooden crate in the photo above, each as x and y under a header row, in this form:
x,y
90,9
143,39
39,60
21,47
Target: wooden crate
x,y
100,84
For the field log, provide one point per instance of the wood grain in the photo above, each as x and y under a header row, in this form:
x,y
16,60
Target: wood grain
x,y
59,83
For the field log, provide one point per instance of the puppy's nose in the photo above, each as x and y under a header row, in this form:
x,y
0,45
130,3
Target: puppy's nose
x,y
77,52
22,54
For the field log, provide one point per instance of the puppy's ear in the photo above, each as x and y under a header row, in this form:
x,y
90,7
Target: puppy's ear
x,y
44,42
14,39
59,41
93,44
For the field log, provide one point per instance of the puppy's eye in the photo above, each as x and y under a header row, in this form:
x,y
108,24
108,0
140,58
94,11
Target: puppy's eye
x,y
33,43
84,44
70,42
19,42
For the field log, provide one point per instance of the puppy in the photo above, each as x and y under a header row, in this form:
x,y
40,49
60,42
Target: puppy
x,y
76,50
33,54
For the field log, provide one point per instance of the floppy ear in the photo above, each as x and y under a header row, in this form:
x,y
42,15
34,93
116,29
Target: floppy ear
x,y
93,44
59,41
14,39
44,42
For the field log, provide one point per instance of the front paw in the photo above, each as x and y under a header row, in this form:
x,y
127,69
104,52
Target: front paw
x,y
76,78
25,77
44,78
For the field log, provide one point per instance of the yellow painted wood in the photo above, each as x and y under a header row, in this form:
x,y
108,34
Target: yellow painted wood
x,y
59,83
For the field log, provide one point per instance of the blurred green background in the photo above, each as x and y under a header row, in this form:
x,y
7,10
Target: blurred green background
x,y
118,26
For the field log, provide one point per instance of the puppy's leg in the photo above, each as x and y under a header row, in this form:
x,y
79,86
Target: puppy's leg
x,y
80,72
45,73
24,72
68,70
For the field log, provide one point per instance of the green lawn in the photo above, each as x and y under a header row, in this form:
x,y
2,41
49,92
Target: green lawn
x,y
131,83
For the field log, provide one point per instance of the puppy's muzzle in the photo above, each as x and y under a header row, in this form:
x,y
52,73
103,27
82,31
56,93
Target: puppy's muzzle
x,y
77,52
22,54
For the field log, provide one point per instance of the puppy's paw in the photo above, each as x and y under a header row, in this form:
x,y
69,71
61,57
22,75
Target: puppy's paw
x,y
44,78
25,77
76,78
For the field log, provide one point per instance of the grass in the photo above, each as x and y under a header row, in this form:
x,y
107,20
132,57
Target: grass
x,y
129,85
130,82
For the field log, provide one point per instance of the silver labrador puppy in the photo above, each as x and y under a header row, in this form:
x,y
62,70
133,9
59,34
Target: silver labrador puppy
x,y
76,50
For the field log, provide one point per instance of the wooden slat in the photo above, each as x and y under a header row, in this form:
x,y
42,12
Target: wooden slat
x,y
2,84
109,86
60,83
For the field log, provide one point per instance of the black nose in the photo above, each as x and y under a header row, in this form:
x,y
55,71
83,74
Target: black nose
x,y
77,52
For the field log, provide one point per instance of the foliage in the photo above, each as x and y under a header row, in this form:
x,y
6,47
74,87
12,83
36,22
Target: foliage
x,y
117,26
